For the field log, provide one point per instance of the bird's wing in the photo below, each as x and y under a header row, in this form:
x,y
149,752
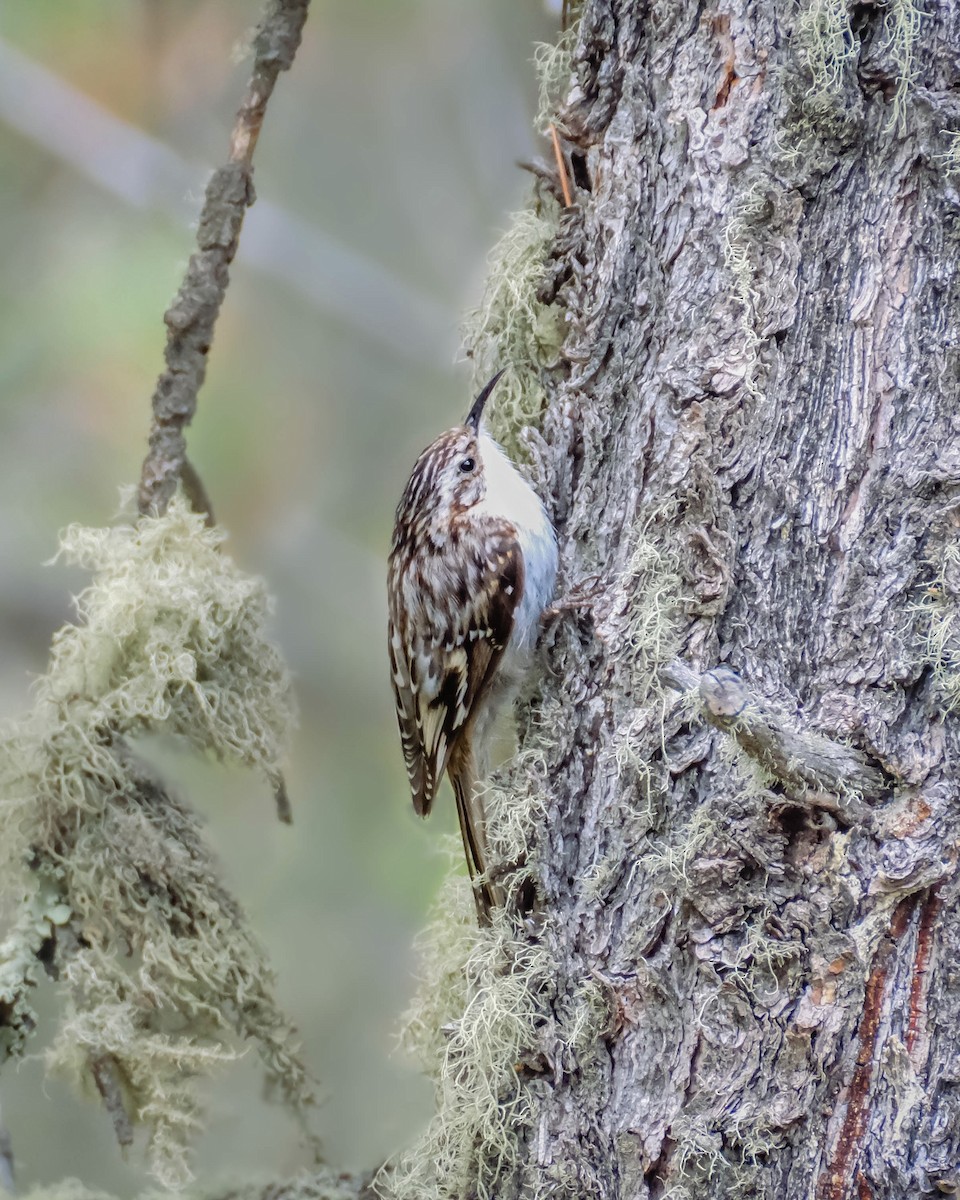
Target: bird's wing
x,y
443,671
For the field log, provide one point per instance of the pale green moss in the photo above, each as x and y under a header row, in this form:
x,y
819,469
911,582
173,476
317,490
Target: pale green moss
x,y
949,159
553,62
485,1014
685,844
901,27
830,50
512,328
159,971
171,636
515,801
703,1159
583,1018
940,627
762,957
476,1018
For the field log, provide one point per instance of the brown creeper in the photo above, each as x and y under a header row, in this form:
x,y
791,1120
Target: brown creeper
x,y
472,567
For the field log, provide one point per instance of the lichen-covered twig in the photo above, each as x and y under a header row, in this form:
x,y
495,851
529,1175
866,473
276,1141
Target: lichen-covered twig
x,y
812,768
104,1071
191,317
160,973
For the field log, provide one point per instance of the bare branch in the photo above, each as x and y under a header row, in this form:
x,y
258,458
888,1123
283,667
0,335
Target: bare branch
x,y
106,1077
195,491
7,1176
191,318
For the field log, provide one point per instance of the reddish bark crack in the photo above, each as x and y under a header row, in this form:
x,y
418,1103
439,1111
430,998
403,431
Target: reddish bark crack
x,y
721,26
836,1180
919,984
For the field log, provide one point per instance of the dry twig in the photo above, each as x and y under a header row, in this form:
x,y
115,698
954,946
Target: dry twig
x,y
7,1178
191,317
561,167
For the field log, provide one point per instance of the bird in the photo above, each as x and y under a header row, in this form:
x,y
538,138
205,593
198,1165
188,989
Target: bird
x,y
472,567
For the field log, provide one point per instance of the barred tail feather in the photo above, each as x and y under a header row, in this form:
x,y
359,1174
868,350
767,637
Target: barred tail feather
x,y
470,812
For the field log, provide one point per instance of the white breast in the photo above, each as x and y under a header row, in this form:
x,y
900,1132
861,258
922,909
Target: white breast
x,y
509,495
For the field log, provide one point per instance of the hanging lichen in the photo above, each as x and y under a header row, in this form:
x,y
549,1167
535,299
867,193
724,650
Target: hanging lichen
x,y
118,894
512,327
829,47
940,627
484,994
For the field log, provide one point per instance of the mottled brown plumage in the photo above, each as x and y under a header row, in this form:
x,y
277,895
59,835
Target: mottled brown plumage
x,y
457,582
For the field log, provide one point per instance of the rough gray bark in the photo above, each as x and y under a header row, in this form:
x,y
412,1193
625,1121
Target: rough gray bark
x,y
759,390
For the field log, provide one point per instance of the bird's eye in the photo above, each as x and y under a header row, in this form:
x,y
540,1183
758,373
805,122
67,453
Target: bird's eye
x,y
467,464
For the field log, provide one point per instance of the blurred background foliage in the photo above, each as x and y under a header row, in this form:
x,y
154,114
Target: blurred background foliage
x,y
385,173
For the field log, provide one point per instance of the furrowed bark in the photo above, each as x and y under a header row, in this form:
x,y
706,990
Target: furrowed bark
x,y
759,382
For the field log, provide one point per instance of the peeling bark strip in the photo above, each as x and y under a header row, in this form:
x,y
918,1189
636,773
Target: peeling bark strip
x,y
191,318
835,1182
920,984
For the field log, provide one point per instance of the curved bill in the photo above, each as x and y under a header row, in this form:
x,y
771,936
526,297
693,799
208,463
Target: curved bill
x,y
475,413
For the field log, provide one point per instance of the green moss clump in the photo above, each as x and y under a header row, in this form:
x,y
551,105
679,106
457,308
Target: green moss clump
x,y
829,48
513,328
901,27
553,65
473,1025
172,637
704,1157
115,887
940,630
515,802
673,858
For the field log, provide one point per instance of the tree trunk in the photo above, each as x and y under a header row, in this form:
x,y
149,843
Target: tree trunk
x,y
746,877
